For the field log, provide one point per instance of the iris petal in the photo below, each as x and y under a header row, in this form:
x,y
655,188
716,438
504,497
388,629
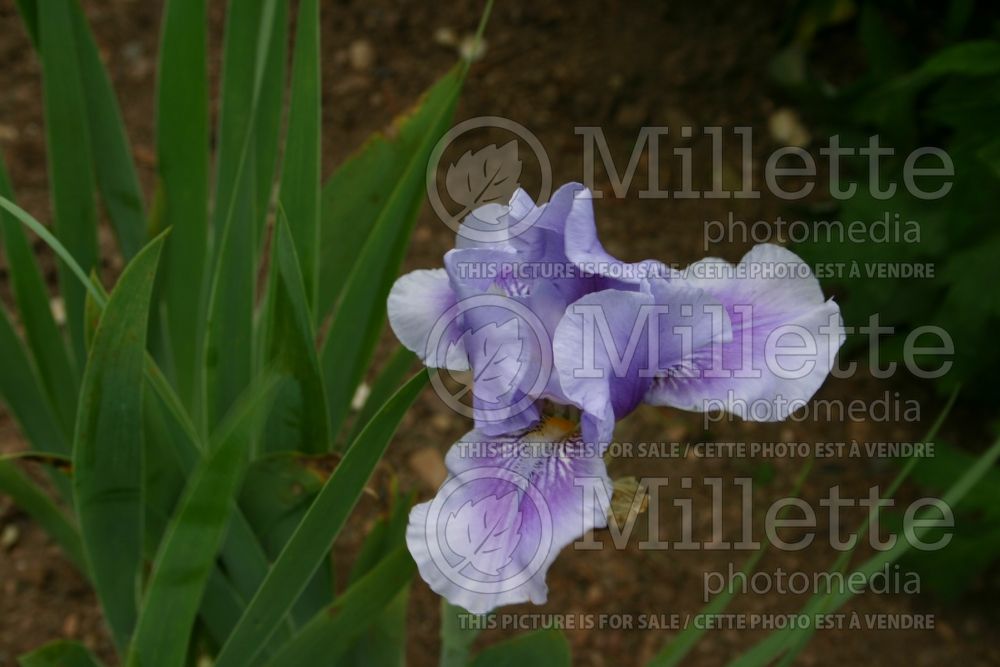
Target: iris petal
x,y
785,338
416,302
507,509
611,345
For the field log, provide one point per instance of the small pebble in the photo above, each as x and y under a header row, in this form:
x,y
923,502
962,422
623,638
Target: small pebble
x,y
58,310
361,54
787,129
441,422
445,36
360,396
71,626
9,536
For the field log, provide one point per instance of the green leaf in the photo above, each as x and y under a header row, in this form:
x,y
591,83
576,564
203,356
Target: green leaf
x,y
965,59
61,653
277,488
881,46
937,473
238,125
22,392
794,640
972,58
270,114
300,182
989,153
24,395
833,601
91,313
163,477
361,307
117,181
235,124
386,536
388,380
182,157
276,495
545,647
244,559
245,563
229,340
187,553
221,607
29,14
680,646
107,452
57,247
56,370
229,354
241,553
312,539
70,175
42,509
383,643
115,171
298,418
361,188
456,641
800,637
331,632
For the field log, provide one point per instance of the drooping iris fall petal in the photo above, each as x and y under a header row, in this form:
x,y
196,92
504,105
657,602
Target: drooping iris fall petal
x,y
507,509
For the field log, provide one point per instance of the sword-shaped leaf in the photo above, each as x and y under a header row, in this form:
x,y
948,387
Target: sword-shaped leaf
x,y
182,137
333,630
317,531
187,554
67,137
360,312
107,451
300,182
116,176
56,370
543,647
61,653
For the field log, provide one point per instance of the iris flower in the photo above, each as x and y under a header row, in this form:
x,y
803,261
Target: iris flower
x,y
547,323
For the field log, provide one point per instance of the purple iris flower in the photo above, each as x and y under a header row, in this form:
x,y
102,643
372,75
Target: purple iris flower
x,y
547,318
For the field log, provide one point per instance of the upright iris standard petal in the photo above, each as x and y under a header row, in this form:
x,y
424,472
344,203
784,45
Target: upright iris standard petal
x,y
507,509
576,229
611,346
496,226
785,339
508,344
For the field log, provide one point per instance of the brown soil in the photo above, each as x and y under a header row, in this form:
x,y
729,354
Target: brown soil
x,y
551,67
